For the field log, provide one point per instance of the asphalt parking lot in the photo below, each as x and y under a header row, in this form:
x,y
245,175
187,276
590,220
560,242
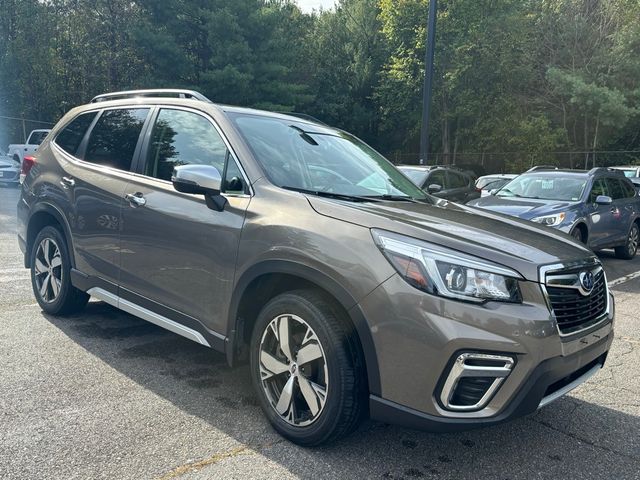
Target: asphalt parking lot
x,y
105,395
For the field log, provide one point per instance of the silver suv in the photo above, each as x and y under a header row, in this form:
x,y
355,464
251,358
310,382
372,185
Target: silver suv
x,y
296,247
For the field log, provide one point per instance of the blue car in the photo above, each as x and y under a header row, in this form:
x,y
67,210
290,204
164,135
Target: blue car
x,y
599,207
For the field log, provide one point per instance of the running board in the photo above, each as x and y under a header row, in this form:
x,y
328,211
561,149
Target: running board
x,y
147,315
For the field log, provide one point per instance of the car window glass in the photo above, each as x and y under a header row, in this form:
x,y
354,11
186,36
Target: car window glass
x,y
629,190
70,137
616,190
233,178
36,138
439,177
457,181
114,137
599,188
183,138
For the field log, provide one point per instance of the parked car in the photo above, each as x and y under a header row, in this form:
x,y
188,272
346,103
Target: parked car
x,y
296,247
599,207
443,182
9,170
488,183
629,171
20,150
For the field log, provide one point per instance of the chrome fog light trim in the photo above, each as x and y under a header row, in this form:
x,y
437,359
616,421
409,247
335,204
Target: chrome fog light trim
x,y
484,365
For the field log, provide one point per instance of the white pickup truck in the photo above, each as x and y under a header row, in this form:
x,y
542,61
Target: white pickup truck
x,y
19,150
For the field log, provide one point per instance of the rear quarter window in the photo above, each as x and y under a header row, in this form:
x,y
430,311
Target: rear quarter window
x,y
71,136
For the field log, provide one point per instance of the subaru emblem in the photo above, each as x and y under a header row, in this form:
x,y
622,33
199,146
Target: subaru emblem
x,y
586,282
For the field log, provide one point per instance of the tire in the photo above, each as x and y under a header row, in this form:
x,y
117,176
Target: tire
x,y
317,327
578,235
629,249
50,274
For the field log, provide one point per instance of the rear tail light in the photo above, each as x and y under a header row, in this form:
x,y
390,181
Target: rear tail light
x,y
27,164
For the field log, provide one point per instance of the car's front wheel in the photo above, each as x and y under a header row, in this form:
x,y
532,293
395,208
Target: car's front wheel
x,y
50,274
629,249
307,368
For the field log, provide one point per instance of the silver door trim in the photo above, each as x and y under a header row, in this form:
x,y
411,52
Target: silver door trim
x,y
147,315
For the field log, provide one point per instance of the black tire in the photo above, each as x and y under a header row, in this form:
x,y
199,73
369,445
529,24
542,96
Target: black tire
x,y
578,235
68,299
629,249
346,395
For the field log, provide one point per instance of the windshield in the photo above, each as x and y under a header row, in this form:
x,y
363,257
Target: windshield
x,y
629,172
36,138
545,187
300,156
417,176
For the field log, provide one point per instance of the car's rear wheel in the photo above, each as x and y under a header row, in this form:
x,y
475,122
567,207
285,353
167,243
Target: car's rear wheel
x,y
629,249
306,368
50,274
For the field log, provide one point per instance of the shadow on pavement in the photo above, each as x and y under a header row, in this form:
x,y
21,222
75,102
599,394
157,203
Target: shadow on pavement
x,y
568,439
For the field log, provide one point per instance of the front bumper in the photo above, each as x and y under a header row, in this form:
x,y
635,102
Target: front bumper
x,y
416,342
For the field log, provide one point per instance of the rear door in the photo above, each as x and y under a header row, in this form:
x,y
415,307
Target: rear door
x,y
622,210
177,254
97,183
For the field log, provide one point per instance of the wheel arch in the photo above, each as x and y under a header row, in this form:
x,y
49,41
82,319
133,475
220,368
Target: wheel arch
x,y
42,215
272,277
584,228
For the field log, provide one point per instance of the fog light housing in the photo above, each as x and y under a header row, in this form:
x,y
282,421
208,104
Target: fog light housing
x,y
473,380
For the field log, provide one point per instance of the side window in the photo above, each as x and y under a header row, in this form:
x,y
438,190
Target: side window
x,y
437,178
457,181
70,137
599,188
616,190
629,189
185,138
114,137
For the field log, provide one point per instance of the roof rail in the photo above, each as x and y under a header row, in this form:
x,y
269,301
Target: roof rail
x,y
605,169
155,92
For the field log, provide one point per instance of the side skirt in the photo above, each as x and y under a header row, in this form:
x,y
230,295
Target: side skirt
x,y
148,310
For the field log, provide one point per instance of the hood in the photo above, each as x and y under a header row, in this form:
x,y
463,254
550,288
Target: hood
x,y
526,208
8,162
517,244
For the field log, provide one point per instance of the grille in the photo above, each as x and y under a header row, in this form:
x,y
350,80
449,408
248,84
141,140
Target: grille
x,y
575,311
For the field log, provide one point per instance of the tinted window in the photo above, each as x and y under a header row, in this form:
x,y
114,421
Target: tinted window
x,y
629,189
186,138
70,137
457,181
36,138
616,190
114,137
599,188
439,177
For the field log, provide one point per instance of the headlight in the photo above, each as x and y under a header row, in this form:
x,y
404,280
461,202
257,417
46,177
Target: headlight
x,y
440,271
550,220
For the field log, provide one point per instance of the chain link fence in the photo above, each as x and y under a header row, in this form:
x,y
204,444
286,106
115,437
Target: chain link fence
x,y
517,162
16,130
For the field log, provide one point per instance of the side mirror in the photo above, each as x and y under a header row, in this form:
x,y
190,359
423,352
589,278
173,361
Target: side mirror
x,y
200,180
493,191
434,188
603,200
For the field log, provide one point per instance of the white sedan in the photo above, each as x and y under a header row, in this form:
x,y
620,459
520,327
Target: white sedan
x,y
492,182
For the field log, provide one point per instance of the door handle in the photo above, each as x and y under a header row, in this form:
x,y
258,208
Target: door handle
x,y
135,199
68,182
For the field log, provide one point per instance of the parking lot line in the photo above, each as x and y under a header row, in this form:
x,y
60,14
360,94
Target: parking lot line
x,y
625,279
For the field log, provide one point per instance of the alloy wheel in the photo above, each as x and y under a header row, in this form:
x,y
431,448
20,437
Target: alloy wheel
x,y
293,370
48,270
632,242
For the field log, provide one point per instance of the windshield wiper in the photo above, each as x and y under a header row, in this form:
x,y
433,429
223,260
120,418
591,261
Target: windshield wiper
x,y
337,196
394,198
